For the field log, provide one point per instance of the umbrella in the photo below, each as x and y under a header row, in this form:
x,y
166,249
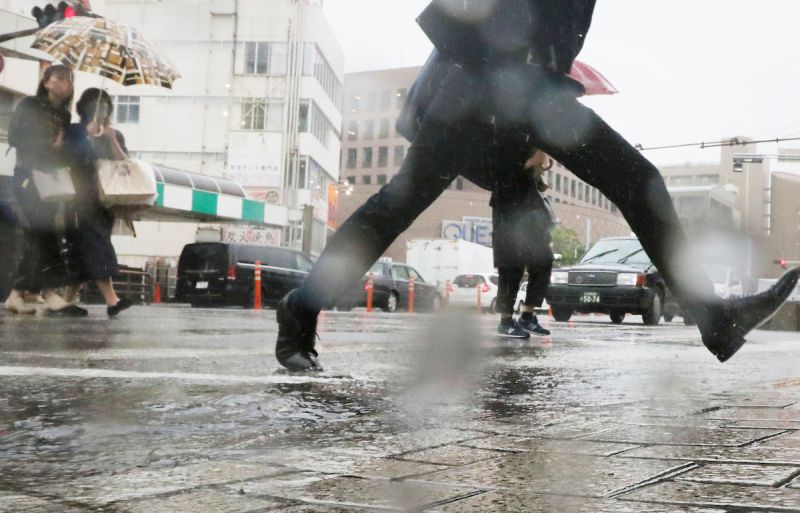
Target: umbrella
x,y
111,50
591,79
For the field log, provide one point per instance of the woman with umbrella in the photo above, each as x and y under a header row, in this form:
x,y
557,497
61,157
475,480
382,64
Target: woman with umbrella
x,y
37,133
94,258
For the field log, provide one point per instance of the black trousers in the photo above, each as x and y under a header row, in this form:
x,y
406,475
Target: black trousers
x,y
509,279
458,132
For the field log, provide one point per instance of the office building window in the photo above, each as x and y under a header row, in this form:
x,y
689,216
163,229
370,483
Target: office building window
x,y
383,156
312,120
352,130
459,184
262,58
383,132
400,98
586,193
381,179
399,155
366,157
351,180
369,129
127,109
386,100
354,102
316,65
572,187
352,158
262,115
366,179
558,182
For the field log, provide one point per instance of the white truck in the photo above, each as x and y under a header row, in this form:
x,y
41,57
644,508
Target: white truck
x,y
439,260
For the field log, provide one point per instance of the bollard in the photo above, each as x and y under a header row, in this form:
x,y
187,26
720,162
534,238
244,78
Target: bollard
x,y
447,292
157,294
369,287
257,288
478,288
410,294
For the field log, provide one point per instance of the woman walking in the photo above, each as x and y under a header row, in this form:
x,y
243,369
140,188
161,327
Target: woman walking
x,y
37,132
89,141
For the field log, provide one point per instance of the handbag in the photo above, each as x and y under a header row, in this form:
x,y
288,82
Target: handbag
x,y
54,185
126,183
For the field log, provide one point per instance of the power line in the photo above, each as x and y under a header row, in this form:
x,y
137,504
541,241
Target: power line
x,y
732,142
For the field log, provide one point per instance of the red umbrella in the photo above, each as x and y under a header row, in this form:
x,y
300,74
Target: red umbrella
x,y
591,79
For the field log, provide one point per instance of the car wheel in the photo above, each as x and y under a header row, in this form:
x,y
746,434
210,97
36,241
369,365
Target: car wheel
x,y
668,318
391,302
561,314
617,317
492,307
653,314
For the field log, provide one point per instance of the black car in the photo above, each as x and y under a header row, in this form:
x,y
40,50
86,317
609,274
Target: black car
x,y
390,290
223,274
616,277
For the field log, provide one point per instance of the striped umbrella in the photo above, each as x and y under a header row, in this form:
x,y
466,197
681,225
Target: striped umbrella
x,y
108,49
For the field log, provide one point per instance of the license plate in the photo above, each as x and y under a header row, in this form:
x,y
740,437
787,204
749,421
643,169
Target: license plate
x,y
590,297
201,285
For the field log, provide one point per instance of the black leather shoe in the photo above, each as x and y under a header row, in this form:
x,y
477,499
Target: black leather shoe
x,y
115,310
69,311
723,325
296,339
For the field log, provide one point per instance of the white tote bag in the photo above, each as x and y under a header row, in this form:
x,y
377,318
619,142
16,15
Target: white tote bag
x,y
128,183
55,185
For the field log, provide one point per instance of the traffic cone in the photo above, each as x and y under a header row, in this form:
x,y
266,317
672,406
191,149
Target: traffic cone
x,y
157,294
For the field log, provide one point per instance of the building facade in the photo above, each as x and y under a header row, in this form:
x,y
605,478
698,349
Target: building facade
x,y
373,151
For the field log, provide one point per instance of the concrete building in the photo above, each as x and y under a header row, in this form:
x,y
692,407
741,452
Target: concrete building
x,y
258,102
373,151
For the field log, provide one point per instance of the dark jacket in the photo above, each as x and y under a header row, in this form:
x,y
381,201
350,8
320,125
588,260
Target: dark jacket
x,y
33,129
480,33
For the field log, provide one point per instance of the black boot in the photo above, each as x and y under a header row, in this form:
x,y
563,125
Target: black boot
x,y
296,339
723,325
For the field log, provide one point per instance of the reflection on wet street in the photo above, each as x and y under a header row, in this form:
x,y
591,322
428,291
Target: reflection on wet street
x,y
175,409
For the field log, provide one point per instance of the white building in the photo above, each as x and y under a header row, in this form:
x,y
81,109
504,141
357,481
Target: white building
x,y
258,101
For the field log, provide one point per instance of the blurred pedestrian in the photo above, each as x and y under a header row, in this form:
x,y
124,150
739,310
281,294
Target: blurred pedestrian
x,y
500,70
93,256
37,132
522,220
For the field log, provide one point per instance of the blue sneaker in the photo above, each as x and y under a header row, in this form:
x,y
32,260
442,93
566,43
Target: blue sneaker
x,y
510,329
532,326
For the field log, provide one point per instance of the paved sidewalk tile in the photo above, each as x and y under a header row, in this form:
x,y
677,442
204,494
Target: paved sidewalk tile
x,y
392,468
754,454
787,440
718,495
554,473
751,413
507,502
212,500
20,503
758,475
452,455
675,435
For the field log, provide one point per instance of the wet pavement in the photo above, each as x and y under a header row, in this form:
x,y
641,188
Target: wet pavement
x,y
172,410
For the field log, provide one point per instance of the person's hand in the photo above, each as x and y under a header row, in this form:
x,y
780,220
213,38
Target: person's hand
x,y
98,130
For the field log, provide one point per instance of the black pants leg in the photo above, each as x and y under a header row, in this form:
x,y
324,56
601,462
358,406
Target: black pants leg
x,y
538,281
579,139
508,282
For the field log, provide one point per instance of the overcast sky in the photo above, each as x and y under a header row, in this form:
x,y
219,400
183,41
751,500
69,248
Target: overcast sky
x,y
687,70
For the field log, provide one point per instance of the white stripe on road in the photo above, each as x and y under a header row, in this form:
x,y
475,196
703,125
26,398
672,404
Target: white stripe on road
x,y
116,374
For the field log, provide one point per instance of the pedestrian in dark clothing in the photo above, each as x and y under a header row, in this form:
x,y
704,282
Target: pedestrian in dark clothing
x,y
522,220
94,258
37,132
500,71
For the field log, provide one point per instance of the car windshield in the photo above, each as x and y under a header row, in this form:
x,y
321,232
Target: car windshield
x,y
717,275
616,251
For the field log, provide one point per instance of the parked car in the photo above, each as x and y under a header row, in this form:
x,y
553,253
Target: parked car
x,y
223,274
390,289
464,291
523,290
616,277
726,283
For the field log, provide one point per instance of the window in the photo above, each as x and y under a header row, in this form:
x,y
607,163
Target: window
x,y
558,183
303,115
459,184
383,156
572,186
262,58
400,95
355,102
369,129
262,115
315,64
366,159
352,130
366,179
127,109
352,158
383,132
586,193
580,191
312,120
415,274
381,179
351,180
399,155
400,272
368,101
386,100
